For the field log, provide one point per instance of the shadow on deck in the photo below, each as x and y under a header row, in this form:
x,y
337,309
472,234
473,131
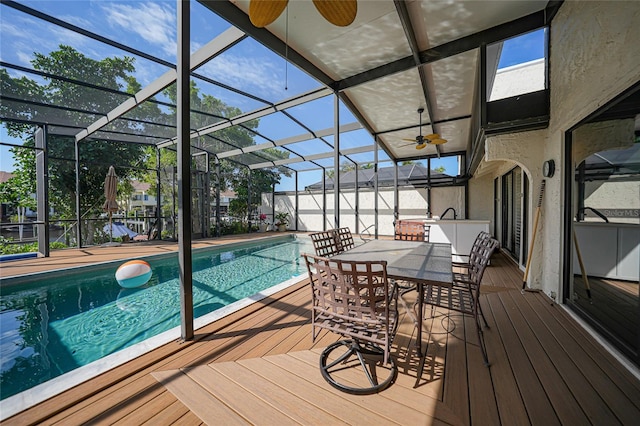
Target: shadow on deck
x,y
259,366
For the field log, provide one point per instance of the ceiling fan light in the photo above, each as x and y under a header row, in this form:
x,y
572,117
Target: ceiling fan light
x,y
264,12
438,141
339,12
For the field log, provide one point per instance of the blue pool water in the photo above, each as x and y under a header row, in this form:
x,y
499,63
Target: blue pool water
x,y
55,323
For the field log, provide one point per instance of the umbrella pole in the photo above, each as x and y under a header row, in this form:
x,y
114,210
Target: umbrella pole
x,y
110,228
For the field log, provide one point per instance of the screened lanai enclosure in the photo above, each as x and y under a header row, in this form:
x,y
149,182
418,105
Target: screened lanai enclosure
x,y
87,101
442,111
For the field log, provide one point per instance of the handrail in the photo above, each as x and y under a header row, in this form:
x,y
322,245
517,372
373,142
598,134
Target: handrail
x,y
368,232
596,212
455,215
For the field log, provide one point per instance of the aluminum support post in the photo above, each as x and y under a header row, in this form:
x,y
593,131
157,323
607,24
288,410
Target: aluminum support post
x,y
184,172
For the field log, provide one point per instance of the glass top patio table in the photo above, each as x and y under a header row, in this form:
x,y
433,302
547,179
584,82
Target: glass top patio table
x,y
420,262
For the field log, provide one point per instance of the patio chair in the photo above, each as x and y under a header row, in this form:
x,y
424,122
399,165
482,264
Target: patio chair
x,y
481,237
355,300
325,243
464,294
344,239
411,230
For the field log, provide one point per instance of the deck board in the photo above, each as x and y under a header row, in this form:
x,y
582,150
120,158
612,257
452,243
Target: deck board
x,y
402,391
275,394
235,396
311,388
545,369
204,405
546,359
482,410
511,408
592,391
167,406
536,401
456,392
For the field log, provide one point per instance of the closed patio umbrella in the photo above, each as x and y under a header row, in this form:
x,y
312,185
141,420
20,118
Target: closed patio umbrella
x,y
110,193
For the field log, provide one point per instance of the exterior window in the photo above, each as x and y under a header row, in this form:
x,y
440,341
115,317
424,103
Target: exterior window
x,y
517,70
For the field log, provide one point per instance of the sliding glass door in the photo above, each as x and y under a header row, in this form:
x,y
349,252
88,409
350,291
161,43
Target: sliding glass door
x,y
514,205
602,243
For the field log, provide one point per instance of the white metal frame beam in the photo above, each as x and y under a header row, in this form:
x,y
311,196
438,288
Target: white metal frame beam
x,y
216,46
252,115
330,154
292,139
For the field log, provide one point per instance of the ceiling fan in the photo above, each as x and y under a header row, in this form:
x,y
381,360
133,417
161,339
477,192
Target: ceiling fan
x,y
422,141
338,12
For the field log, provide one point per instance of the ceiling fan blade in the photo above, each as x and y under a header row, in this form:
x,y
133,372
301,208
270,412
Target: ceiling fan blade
x,y
410,140
264,12
432,136
421,145
438,141
338,12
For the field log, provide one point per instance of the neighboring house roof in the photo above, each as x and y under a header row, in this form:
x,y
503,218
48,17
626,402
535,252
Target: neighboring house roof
x,y
409,174
5,176
140,186
228,194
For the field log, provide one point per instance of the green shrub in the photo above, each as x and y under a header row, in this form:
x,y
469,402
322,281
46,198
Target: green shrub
x,y
8,246
231,228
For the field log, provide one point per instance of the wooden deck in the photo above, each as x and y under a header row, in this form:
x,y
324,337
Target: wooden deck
x,y
259,366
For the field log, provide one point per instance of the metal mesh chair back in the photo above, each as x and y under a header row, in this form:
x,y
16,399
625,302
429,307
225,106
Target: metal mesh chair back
x,y
479,259
474,248
325,243
344,239
464,295
411,230
353,299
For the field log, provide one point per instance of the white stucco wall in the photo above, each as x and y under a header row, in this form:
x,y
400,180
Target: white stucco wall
x,y
591,138
481,199
594,56
518,79
605,195
412,204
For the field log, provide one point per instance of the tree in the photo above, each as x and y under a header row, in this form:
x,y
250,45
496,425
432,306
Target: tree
x,y
207,110
96,155
261,181
17,191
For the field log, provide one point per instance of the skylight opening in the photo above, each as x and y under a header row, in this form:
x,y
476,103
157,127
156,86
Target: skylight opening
x,y
517,66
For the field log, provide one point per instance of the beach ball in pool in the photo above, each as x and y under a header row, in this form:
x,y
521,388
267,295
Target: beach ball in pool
x,y
133,273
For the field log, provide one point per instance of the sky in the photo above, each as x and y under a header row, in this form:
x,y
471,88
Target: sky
x,y
263,74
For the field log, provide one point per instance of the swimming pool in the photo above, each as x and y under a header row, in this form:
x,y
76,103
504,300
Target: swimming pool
x,y
56,322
